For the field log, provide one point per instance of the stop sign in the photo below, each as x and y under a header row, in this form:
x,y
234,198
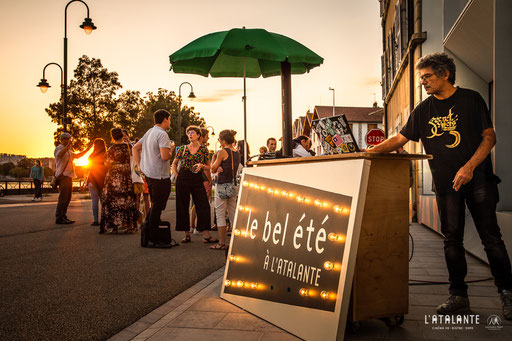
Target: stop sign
x,y
374,137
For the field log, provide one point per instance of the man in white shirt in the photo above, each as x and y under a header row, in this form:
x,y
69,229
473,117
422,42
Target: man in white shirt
x,y
64,172
152,154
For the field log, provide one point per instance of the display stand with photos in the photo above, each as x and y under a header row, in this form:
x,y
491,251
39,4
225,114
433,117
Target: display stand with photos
x,y
320,239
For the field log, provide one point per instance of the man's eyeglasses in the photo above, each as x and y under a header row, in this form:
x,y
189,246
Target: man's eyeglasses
x,y
426,76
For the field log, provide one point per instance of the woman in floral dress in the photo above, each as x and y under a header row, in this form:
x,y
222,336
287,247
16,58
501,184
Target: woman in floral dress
x,y
119,209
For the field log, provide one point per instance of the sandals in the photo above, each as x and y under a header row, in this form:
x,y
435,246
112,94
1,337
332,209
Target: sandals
x,y
218,246
186,239
210,240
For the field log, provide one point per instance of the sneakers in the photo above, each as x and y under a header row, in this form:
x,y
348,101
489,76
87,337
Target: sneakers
x,y
454,304
506,301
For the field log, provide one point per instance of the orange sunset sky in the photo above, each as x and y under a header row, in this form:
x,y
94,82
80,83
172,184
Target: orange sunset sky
x,y
135,39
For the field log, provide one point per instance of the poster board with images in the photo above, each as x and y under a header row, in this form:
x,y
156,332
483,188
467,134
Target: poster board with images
x,y
335,135
293,251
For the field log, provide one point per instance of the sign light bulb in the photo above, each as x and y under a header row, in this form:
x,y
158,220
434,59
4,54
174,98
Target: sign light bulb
x,y
337,209
245,183
263,187
227,283
332,237
328,265
318,203
236,232
270,190
254,285
324,295
241,208
304,292
246,209
276,192
232,258
240,284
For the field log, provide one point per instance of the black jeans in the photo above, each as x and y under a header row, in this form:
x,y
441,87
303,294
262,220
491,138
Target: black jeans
x,y
65,189
37,187
187,184
481,202
159,190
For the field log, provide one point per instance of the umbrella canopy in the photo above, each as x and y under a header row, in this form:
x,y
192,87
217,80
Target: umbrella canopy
x,y
252,53
220,54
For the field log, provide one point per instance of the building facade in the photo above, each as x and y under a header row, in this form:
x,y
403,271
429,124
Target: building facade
x,y
476,33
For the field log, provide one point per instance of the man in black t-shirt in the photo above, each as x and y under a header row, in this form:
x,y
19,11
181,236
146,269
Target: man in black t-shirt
x,y
455,126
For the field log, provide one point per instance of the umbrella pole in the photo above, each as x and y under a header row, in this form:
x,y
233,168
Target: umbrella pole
x,y
245,120
286,101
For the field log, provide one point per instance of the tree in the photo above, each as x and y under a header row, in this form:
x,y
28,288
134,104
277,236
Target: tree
x,y
95,109
25,163
47,171
19,172
129,111
165,99
6,167
92,105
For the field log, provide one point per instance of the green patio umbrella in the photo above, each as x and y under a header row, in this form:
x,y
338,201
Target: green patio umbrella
x,y
252,53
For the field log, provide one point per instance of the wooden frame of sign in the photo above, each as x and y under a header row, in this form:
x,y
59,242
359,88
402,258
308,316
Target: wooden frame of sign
x,y
310,215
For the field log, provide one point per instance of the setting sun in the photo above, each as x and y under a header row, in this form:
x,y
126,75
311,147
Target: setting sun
x,y
84,160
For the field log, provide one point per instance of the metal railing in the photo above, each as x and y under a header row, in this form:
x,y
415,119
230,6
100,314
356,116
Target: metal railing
x,y
12,187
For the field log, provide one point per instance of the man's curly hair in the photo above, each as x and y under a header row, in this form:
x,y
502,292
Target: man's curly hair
x,y
440,63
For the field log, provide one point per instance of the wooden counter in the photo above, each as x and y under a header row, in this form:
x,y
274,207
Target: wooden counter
x,y
381,276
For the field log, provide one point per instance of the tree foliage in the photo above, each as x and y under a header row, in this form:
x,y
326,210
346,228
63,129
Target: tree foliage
x,y
95,108
19,172
6,167
165,99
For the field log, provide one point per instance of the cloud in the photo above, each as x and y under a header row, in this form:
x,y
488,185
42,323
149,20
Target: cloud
x,y
370,81
220,95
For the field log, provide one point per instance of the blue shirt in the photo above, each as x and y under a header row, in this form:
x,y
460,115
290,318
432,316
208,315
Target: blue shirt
x,y
36,172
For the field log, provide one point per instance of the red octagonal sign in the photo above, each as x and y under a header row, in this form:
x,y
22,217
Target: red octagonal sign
x,y
374,137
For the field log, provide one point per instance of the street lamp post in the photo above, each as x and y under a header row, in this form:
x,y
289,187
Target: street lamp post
x,y
333,101
43,84
191,96
88,27
213,130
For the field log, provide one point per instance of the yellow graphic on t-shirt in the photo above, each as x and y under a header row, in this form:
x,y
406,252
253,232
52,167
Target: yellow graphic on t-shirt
x,y
443,124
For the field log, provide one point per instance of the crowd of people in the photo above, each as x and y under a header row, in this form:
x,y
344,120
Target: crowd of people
x,y
126,172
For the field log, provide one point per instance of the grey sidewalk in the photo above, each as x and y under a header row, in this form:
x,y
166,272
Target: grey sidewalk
x,y
199,313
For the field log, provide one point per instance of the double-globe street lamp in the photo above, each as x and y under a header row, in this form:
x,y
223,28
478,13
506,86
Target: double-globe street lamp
x,y
191,96
88,27
44,85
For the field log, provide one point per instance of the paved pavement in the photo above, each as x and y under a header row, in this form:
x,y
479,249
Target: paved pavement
x,y
199,314
67,282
